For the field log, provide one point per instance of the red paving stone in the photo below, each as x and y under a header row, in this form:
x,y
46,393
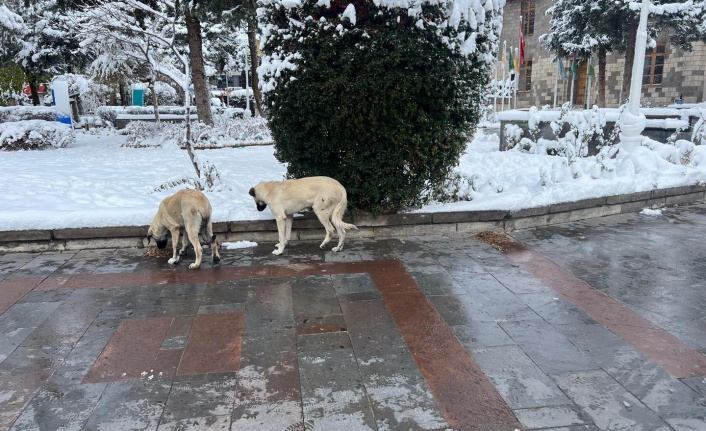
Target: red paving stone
x,y
166,363
131,351
325,324
465,395
663,348
13,290
214,344
180,327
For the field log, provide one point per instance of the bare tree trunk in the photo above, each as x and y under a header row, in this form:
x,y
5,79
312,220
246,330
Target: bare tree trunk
x,y
629,59
254,61
33,88
198,73
601,76
155,103
121,90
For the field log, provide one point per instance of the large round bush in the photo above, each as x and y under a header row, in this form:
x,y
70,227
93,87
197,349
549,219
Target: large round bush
x,y
381,98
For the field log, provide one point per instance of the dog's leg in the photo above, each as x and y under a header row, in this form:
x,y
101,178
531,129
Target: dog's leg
x,y
281,230
175,246
212,240
324,215
193,233
288,229
184,245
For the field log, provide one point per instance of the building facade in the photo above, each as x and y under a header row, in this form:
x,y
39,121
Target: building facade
x,y
670,73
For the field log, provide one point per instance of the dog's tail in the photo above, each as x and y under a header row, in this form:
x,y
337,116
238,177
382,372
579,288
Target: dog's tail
x,y
337,215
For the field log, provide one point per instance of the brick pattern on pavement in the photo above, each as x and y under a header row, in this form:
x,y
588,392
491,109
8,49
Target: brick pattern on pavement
x,y
428,333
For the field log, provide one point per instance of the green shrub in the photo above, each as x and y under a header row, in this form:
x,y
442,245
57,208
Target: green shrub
x,y
385,105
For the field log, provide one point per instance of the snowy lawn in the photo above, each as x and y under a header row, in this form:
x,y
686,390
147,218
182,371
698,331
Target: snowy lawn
x,y
95,182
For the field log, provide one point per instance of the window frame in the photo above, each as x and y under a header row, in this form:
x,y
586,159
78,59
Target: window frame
x,y
524,73
651,56
527,11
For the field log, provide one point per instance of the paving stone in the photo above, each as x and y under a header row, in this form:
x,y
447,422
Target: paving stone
x,y
17,389
269,308
696,383
84,262
333,395
520,382
608,404
224,293
60,407
556,310
207,423
346,284
130,406
269,395
460,310
437,282
477,335
546,417
42,265
200,396
314,298
547,347
400,398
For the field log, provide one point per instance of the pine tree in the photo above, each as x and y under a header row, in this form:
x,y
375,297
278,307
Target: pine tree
x,y
382,96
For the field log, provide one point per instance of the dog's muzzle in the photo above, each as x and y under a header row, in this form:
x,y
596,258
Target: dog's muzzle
x,y
261,206
161,244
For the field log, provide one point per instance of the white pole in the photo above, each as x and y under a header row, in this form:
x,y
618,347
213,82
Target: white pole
x,y
517,74
632,121
497,86
502,100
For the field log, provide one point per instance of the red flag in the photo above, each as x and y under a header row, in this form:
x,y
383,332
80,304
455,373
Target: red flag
x,y
522,44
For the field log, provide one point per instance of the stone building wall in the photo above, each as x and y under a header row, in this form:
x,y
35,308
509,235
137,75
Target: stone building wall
x,y
683,71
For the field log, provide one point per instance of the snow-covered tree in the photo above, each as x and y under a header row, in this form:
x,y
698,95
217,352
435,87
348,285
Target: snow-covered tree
x,y
381,95
152,35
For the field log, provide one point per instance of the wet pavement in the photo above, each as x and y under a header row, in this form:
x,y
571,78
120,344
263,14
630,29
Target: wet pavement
x,y
593,325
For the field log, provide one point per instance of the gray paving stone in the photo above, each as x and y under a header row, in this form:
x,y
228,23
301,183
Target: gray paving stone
x,y
130,406
201,395
547,348
80,359
333,395
460,310
269,308
399,396
223,293
609,405
437,282
520,382
547,417
345,284
60,407
313,298
477,335
696,383
556,310
42,265
11,262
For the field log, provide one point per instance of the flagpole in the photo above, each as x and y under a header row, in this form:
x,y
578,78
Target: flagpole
x,y
497,87
517,74
588,88
502,100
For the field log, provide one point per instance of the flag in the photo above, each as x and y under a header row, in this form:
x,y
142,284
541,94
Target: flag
x,y
517,60
575,70
511,63
522,44
591,71
562,71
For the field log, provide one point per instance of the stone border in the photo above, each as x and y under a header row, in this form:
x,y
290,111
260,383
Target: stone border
x,y
308,227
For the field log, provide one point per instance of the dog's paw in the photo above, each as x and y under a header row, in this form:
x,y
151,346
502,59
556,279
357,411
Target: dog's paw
x,y
216,259
173,261
337,248
194,266
278,251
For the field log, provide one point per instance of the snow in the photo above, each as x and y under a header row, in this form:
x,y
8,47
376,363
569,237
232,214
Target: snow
x,y
94,182
651,212
238,244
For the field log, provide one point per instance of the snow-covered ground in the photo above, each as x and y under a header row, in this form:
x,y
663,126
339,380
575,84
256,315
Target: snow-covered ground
x,y
95,182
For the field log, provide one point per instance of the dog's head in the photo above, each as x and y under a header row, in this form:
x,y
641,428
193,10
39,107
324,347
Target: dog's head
x,y
261,205
159,233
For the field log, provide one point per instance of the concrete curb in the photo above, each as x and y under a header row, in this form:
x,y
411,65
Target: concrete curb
x,y
308,227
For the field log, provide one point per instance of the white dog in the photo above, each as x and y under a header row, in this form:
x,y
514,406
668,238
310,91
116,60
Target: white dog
x,y
326,196
188,209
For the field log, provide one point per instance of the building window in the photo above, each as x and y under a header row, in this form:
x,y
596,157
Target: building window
x,y
525,83
654,65
527,12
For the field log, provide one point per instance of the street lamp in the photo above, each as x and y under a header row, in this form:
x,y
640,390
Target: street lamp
x,y
632,122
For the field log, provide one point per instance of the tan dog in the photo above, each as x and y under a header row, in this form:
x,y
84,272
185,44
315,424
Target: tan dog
x,y
188,209
324,195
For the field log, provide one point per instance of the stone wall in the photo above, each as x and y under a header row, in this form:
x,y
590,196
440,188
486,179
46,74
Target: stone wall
x,y
683,71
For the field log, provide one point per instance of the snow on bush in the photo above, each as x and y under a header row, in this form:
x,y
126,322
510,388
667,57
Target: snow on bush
x,y
34,135
226,132
22,113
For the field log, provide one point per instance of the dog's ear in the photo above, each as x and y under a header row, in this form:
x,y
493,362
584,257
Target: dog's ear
x,y
252,191
149,237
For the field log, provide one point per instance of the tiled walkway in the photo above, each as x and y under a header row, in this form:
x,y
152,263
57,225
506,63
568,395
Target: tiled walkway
x,y
585,326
